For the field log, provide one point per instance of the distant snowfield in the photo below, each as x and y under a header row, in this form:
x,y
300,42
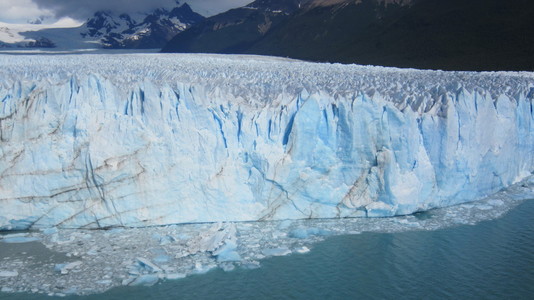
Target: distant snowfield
x,y
14,33
135,140
55,51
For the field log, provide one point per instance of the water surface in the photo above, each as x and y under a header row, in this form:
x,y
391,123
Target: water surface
x,y
490,260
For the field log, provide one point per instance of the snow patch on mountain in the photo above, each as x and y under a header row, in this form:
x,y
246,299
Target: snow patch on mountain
x,y
139,30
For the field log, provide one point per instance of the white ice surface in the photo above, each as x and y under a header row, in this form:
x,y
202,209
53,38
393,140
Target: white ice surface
x,y
91,141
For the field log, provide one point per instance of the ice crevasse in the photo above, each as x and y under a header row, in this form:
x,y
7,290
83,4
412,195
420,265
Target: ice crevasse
x,y
92,141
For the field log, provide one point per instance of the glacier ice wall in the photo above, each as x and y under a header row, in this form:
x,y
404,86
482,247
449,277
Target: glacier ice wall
x,y
90,141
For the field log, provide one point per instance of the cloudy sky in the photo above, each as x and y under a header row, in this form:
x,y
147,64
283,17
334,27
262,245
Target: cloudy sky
x,y
20,11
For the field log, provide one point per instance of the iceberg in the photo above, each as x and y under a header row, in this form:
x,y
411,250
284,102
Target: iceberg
x,y
135,140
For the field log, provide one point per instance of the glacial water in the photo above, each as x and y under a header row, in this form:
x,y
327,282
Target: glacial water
x,y
490,260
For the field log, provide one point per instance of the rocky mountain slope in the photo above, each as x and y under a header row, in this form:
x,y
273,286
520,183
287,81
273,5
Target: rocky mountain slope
x,y
236,30
451,35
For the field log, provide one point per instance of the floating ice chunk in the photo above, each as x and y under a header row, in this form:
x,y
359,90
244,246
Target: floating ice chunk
x,y
160,255
128,280
13,235
165,240
220,240
145,280
227,267
19,239
182,236
93,251
496,202
173,276
162,258
69,291
146,265
49,231
250,265
229,256
227,252
73,265
212,239
281,251
285,224
59,267
302,250
303,233
407,222
62,240
484,207
201,269
9,273
65,268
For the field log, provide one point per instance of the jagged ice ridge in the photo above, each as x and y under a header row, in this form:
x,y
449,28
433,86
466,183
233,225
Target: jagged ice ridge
x,y
89,141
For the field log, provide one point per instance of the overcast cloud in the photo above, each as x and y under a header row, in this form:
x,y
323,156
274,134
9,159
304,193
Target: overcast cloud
x,y
23,10
20,10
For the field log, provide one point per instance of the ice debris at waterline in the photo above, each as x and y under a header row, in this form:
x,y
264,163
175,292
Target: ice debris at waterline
x,y
89,141
92,261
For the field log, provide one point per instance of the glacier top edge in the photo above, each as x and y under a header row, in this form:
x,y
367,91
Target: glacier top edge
x,y
259,79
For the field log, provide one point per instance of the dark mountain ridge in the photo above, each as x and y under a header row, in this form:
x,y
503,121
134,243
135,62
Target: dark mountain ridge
x,y
428,34
236,30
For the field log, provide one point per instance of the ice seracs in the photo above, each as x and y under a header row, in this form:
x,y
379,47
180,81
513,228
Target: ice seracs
x,y
93,141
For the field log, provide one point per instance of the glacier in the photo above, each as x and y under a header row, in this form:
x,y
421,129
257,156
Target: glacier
x,y
135,140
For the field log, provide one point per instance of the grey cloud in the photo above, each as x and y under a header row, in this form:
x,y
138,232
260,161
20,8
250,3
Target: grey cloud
x,y
81,9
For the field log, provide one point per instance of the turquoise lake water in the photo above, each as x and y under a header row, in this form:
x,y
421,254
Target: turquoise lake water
x,y
490,260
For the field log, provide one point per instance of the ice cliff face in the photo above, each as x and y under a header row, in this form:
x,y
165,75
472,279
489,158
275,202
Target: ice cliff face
x,y
95,140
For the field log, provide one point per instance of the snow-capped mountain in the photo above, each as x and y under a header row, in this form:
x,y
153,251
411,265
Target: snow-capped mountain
x,y
150,30
105,29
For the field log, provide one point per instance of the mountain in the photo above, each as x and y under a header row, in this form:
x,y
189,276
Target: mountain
x,y
152,30
92,141
236,30
105,29
436,34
